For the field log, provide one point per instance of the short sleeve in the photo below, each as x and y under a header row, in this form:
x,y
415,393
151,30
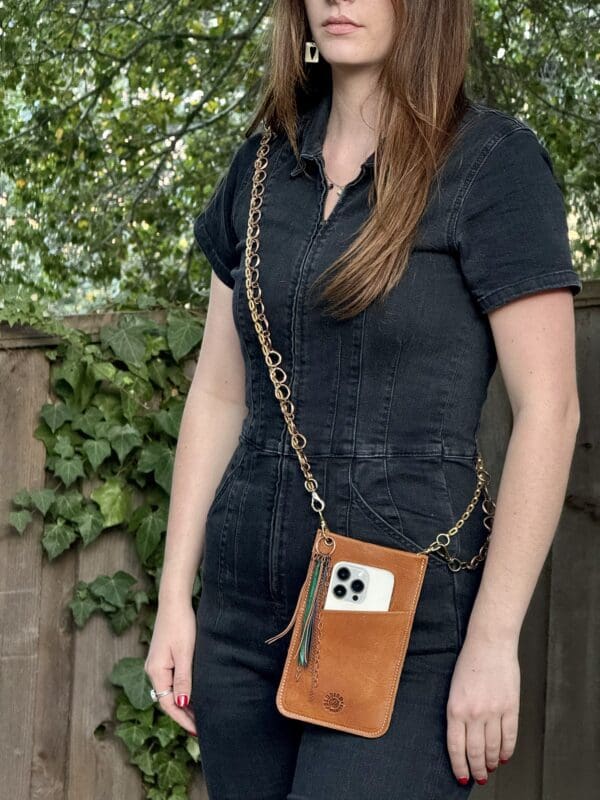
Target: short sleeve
x,y
511,228
213,227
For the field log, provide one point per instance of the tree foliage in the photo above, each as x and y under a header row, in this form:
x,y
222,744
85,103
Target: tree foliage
x,y
116,119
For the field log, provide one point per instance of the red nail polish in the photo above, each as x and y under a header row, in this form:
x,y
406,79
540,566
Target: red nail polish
x,y
481,781
182,700
463,781
504,760
491,769
192,733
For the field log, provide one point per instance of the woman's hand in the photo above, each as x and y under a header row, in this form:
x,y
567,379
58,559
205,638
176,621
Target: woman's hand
x,y
169,660
483,707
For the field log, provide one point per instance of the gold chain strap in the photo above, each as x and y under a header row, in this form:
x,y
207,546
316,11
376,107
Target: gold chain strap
x,y
282,392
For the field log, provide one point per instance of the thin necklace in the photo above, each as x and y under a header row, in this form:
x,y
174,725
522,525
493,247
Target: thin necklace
x,y
331,184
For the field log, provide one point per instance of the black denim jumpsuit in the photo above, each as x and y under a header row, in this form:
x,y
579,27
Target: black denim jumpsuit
x,y
390,404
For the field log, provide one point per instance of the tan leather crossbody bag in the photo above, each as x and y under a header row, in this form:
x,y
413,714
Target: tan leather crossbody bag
x,y
342,668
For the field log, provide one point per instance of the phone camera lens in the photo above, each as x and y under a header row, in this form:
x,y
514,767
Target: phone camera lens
x,y
339,590
343,573
357,585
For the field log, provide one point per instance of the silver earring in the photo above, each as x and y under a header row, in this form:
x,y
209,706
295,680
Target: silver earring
x,y
311,52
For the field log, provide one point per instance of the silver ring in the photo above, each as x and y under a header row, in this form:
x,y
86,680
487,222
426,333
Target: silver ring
x,y
155,695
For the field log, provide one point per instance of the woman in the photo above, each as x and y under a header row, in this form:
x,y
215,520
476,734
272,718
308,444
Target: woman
x,y
459,259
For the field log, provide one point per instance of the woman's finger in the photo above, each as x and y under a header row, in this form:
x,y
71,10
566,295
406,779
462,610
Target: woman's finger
x,y
509,727
182,677
476,748
182,716
456,744
493,739
161,679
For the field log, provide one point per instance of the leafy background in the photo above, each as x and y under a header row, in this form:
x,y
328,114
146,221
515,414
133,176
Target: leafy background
x,y
116,119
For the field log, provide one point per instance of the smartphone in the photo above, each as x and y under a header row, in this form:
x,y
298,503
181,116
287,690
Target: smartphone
x,y
359,587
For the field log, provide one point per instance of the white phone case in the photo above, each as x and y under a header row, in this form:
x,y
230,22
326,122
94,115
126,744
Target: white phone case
x,y
375,594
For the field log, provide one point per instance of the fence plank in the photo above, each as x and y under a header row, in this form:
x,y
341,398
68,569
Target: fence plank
x,y
572,743
98,765
22,393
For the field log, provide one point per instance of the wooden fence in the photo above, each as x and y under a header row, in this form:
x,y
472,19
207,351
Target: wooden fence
x,y
54,693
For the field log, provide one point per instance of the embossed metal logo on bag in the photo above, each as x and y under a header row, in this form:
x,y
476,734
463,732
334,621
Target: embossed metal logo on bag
x,y
333,701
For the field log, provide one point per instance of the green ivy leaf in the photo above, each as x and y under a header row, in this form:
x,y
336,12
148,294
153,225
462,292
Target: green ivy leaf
x,y
67,376
96,451
166,730
63,446
109,405
129,673
157,372
20,519
87,421
178,378
169,419
133,734
83,605
130,406
125,711
104,371
140,371
124,438
114,499
55,415
23,498
140,599
148,535
113,589
103,428
127,344
193,747
123,619
170,771
184,331
42,499
57,538
45,435
158,458
156,794
69,469
90,524
163,474
143,760
68,505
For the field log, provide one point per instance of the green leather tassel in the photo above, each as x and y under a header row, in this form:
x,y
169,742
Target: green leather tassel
x,y
310,611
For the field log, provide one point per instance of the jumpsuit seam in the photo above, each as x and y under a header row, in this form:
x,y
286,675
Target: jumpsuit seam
x,y
244,494
336,393
351,462
386,435
428,454
465,187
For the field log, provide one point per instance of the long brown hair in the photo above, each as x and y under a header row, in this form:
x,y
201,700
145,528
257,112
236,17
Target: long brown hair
x,y
423,100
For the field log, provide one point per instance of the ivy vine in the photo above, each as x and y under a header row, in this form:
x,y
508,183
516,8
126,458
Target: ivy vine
x,y
114,425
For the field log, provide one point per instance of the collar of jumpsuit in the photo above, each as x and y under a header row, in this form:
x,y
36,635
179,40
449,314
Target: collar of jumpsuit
x,y
312,132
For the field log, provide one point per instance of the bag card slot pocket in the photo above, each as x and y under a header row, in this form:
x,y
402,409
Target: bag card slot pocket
x,y
359,659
